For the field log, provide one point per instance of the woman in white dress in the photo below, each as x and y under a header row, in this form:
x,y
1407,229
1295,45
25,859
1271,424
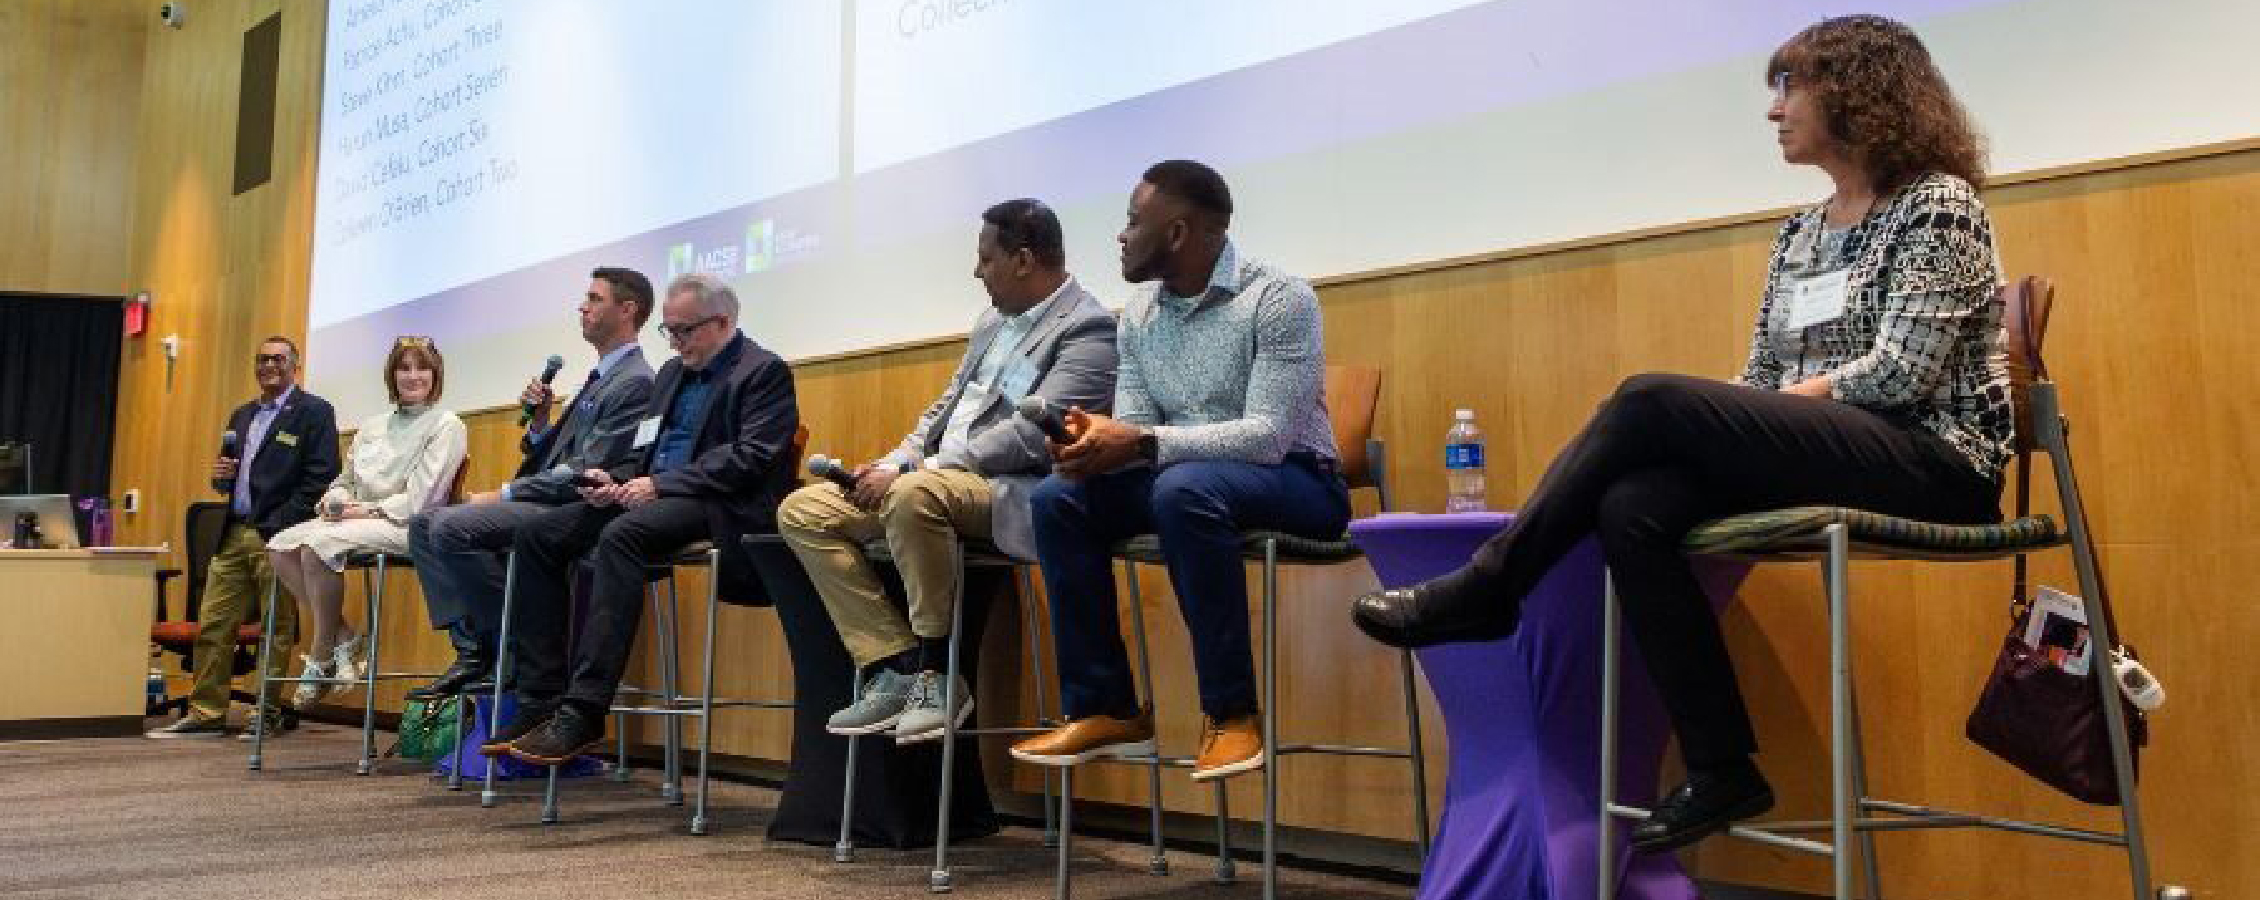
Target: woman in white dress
x,y
401,463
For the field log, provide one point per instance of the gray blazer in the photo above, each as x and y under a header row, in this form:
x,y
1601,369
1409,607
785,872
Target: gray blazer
x,y
1073,353
594,434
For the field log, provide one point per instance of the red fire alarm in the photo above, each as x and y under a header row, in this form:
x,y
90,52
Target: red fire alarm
x,y
137,314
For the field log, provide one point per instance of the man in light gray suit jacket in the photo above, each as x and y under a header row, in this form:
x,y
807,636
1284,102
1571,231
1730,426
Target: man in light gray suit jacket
x,y
963,473
458,549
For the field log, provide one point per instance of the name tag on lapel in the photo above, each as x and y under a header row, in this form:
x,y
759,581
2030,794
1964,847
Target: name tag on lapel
x,y
1817,299
286,439
647,432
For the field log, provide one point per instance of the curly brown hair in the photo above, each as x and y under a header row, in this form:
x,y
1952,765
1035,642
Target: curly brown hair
x,y
1882,96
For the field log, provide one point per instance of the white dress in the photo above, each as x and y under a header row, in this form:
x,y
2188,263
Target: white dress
x,y
401,463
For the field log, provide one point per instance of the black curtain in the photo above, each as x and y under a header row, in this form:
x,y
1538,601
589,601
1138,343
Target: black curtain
x,y
59,387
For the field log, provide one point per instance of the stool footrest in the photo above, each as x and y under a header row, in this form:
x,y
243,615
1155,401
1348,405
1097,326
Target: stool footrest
x,y
1344,750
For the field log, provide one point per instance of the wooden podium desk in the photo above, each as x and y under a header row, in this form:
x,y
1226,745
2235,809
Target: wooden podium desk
x,y
74,649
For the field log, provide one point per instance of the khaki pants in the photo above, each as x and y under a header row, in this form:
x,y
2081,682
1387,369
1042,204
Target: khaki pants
x,y
922,519
235,586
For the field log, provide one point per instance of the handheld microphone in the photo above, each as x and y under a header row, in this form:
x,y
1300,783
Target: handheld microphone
x,y
830,470
1047,418
229,447
548,374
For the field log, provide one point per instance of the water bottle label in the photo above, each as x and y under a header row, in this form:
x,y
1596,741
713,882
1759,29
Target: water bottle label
x,y
1463,456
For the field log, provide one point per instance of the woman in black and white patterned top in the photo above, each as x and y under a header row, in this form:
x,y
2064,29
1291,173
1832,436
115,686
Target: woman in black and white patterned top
x,y
1876,380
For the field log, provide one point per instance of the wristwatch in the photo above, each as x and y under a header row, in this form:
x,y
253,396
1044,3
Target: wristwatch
x,y
1149,446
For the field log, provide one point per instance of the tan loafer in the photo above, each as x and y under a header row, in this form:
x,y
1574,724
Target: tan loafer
x,y
1229,747
1081,740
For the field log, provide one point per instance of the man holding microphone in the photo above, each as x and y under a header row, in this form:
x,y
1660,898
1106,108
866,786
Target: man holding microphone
x,y
458,549
277,457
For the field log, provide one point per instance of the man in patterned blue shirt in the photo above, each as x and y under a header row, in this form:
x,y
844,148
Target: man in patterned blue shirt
x,y
1219,426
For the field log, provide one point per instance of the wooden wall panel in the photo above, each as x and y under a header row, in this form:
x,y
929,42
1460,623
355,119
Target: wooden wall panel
x,y
70,89
2156,287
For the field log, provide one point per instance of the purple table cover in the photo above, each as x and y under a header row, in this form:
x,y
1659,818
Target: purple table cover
x,y
1522,715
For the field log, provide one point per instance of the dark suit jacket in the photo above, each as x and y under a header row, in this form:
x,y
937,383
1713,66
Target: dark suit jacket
x,y
594,434
296,462
739,463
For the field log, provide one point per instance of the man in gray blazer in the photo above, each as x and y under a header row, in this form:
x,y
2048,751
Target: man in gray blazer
x,y
458,549
963,473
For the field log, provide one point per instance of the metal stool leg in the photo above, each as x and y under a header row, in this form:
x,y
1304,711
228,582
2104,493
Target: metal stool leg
x,y
266,690
1062,886
375,607
938,880
1841,813
1870,873
1605,825
670,676
706,686
1156,863
455,756
843,850
1419,753
1270,720
487,794
549,798
1226,869
1028,626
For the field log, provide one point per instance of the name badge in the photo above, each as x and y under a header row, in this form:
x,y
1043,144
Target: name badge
x,y
286,439
1817,299
1019,378
647,432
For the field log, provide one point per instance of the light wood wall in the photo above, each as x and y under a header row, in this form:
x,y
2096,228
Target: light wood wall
x,y
2150,343
70,89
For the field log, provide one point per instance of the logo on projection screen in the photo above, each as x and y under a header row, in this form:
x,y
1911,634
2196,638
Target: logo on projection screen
x,y
768,246
685,258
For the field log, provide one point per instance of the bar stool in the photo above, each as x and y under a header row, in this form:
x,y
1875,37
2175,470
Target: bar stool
x,y
977,555
1352,395
373,565
1835,536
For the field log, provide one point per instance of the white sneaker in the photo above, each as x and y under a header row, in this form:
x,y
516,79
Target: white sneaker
x,y
307,693
349,659
922,718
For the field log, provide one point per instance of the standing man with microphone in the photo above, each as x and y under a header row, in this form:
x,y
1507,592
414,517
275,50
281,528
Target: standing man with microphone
x,y
278,455
964,471
458,549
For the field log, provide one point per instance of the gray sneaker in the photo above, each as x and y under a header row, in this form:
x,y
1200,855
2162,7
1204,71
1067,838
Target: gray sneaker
x,y
274,724
922,717
190,725
878,703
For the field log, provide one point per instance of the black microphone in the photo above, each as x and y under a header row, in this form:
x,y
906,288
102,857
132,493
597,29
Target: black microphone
x,y
575,477
548,374
1047,418
228,448
830,470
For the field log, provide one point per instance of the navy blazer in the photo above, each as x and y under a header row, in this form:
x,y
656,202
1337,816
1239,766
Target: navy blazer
x,y
296,461
740,462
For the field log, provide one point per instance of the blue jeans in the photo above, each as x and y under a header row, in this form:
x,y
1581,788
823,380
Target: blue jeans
x,y
1198,509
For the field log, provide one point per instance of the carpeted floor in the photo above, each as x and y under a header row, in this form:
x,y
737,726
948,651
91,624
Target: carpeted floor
x,y
125,818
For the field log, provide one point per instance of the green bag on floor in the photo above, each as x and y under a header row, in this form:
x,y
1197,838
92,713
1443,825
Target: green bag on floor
x,y
427,729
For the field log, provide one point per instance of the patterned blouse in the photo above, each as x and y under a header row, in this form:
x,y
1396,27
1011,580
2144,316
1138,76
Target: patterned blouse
x,y
1920,339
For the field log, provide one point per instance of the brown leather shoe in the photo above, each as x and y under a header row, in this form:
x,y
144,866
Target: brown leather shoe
x,y
1229,747
1091,736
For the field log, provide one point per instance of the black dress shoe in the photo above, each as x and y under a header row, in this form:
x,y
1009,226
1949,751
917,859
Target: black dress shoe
x,y
466,670
1706,804
530,717
1422,615
569,732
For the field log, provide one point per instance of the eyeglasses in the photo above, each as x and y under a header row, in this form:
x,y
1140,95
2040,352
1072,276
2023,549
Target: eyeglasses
x,y
412,340
1781,84
679,333
280,359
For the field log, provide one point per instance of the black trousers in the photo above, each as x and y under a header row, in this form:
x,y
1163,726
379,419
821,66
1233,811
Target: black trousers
x,y
1669,452
620,544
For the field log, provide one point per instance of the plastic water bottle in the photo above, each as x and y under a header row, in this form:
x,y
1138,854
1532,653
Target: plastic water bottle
x,y
1463,465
